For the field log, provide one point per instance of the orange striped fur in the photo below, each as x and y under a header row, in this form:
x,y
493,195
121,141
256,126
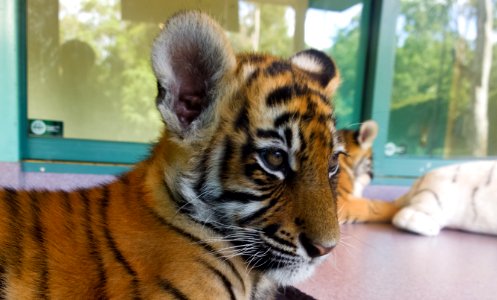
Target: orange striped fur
x,y
234,200
356,171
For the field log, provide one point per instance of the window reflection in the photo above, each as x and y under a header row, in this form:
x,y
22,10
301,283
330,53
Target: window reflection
x,y
444,101
88,60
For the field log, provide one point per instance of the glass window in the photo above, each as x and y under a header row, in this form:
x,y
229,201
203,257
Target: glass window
x,y
89,74
341,39
444,97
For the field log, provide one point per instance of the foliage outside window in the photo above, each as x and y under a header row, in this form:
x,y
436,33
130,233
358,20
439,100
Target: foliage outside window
x,y
89,68
444,101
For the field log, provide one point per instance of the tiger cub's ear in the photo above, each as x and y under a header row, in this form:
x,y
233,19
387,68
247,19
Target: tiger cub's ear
x,y
320,67
367,134
190,58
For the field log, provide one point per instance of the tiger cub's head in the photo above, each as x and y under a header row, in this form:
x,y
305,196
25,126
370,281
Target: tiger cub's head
x,y
357,166
251,145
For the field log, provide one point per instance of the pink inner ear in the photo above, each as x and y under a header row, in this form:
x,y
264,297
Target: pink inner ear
x,y
365,133
191,99
188,108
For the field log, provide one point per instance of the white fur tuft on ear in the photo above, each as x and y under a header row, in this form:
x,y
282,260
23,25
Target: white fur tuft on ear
x,y
367,134
308,63
320,67
190,58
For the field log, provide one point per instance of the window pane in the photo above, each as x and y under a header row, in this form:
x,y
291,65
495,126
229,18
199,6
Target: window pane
x,y
89,74
338,33
444,98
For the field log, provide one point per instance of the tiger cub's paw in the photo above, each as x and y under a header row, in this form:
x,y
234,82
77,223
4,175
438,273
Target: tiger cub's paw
x,y
412,219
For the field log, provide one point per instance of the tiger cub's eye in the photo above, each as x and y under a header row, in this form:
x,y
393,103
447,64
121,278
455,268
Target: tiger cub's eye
x,y
274,158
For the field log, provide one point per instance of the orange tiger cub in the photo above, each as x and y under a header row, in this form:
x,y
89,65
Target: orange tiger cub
x,y
234,200
355,174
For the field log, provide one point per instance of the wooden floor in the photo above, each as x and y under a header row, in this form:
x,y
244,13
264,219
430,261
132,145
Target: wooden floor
x,y
377,261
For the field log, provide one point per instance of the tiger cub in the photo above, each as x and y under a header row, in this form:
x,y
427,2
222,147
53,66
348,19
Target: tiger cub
x,y
234,199
356,172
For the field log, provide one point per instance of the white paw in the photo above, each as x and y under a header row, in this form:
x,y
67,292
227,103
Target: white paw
x,y
416,221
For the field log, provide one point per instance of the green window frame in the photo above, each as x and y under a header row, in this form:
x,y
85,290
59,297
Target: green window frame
x,y
12,81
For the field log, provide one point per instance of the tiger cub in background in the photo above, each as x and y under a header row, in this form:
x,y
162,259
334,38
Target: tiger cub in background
x,y
234,199
356,172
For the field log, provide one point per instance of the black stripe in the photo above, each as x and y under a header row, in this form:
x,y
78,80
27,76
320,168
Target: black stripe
x,y
285,118
2,282
248,148
302,90
431,192
68,210
303,143
289,137
456,173
228,154
16,229
308,117
259,182
311,106
124,179
38,235
66,202
473,204
251,170
227,284
167,286
240,197
258,213
255,74
125,185
278,67
271,231
490,175
280,95
312,136
93,246
202,169
196,241
242,121
325,100
268,134
322,118
111,243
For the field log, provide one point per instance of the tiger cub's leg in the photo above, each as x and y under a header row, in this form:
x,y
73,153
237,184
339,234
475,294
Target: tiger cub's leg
x,y
353,209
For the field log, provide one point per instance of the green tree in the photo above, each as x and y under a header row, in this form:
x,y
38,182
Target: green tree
x,y
345,53
123,74
434,78
263,27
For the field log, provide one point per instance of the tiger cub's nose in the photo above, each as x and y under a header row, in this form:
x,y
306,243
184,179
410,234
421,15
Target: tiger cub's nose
x,y
314,249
